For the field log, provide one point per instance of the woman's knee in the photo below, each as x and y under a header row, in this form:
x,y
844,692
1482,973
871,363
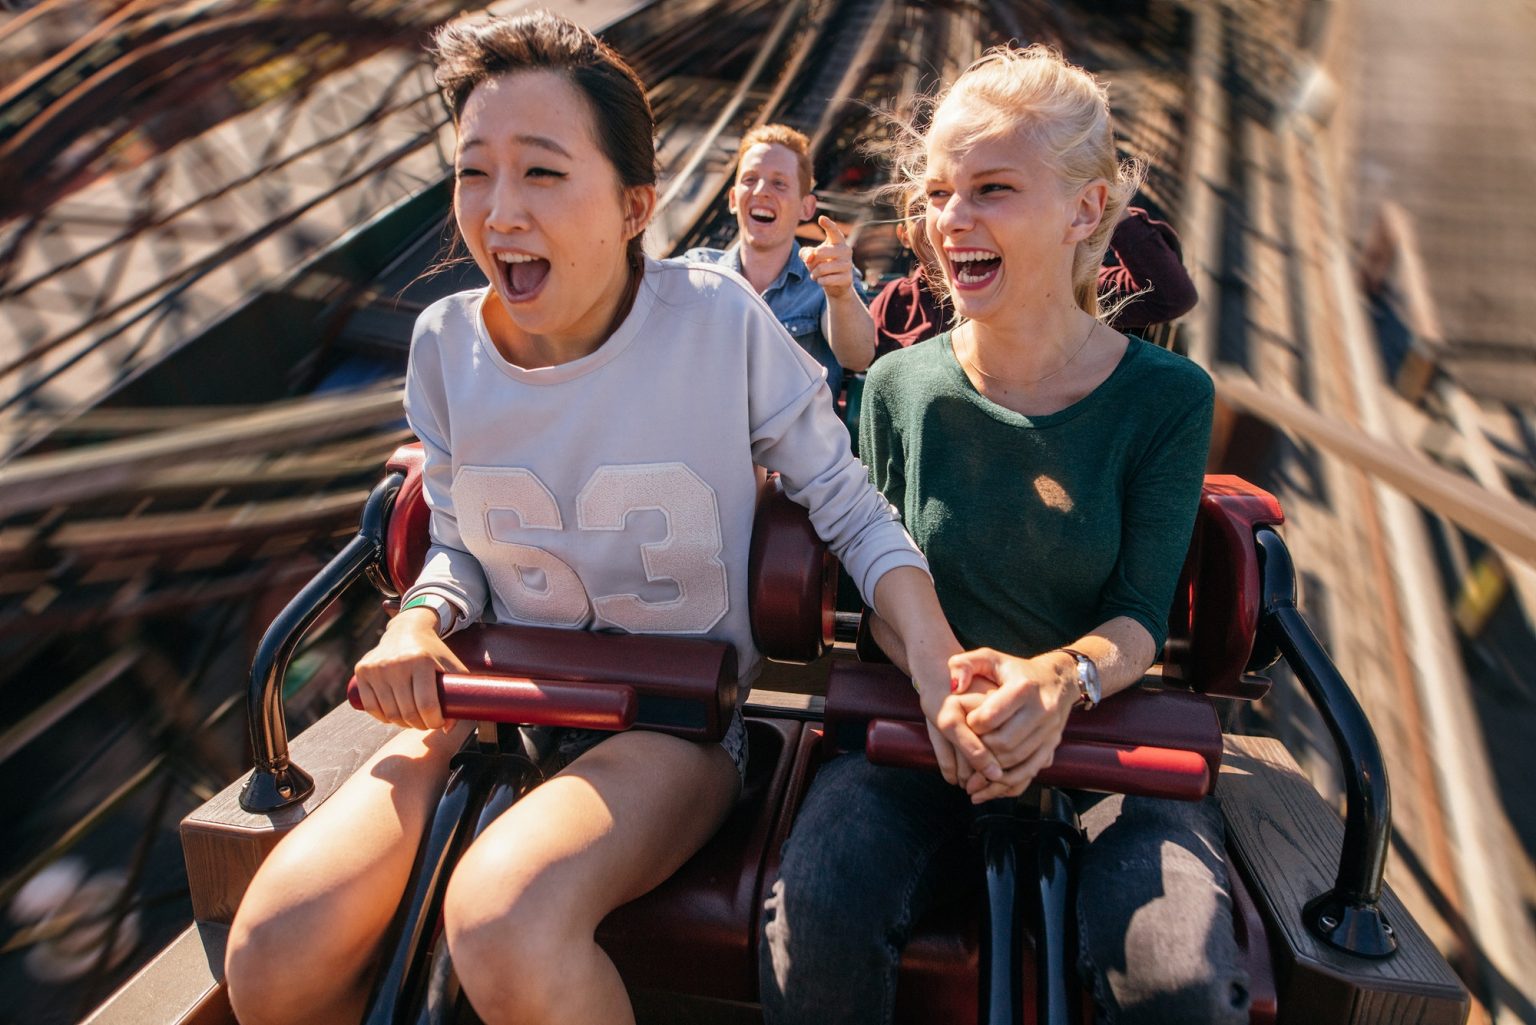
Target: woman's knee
x,y
831,942
510,937
252,971
305,932
1155,914
278,969
1165,962
817,943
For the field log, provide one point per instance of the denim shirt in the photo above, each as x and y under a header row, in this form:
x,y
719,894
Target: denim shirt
x,y
797,300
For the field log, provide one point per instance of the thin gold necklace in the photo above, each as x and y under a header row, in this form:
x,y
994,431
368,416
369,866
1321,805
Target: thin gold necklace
x,y
1030,384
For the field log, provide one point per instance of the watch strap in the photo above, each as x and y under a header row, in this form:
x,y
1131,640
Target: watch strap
x,y
1086,698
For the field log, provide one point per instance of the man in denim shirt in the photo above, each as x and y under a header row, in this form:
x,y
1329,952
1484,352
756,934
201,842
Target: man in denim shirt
x,y
813,291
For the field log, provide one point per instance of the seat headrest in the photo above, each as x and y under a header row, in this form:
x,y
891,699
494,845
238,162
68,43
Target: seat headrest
x,y
1215,616
791,580
406,537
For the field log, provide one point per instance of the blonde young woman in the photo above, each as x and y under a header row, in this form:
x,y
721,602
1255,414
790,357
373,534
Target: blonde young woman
x,y
1049,467
591,420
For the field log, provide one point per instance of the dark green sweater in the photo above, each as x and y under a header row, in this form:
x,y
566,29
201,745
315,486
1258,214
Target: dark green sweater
x,y
1039,529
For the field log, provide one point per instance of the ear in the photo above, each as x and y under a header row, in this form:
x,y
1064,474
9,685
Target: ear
x,y
639,206
807,207
1087,210
730,198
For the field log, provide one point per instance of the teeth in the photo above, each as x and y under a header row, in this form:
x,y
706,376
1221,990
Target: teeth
x,y
515,258
971,255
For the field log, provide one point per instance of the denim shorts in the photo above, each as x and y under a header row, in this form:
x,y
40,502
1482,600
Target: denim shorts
x,y
570,743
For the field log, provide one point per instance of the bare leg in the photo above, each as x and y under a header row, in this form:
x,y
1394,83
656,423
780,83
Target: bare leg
x,y
525,901
304,940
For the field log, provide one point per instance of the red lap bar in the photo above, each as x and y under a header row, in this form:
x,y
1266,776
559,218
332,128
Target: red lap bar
x,y
1147,771
595,706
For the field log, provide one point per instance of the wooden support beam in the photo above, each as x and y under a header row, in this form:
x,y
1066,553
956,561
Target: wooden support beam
x,y
37,482
1497,519
1204,180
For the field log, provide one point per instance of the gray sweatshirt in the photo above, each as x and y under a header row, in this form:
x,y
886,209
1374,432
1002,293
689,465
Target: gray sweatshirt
x,y
617,491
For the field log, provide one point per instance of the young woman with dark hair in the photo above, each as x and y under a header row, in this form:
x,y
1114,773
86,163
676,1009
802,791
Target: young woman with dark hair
x,y
586,390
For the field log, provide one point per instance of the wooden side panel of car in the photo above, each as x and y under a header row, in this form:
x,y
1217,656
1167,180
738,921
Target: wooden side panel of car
x,y
224,844
1286,840
183,985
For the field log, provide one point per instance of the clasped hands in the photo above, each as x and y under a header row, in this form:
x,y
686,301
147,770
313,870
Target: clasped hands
x,y
1001,719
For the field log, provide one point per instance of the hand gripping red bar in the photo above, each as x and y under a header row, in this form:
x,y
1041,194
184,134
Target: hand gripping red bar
x,y
1081,765
594,706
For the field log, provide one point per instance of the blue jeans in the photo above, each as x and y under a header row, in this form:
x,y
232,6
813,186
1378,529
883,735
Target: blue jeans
x,y
873,848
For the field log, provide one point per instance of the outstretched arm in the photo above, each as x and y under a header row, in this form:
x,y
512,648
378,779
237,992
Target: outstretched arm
x,y
849,326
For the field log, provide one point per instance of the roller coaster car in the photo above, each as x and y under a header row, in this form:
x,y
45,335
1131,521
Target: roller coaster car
x,y
1323,940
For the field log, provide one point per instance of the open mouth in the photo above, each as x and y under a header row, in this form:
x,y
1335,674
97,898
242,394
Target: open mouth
x,y
522,275
974,268
763,216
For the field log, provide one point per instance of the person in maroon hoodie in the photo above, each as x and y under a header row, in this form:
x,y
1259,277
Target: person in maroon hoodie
x,y
1143,272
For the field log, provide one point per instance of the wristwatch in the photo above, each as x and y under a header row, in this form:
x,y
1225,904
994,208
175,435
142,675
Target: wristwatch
x,y
1089,693
447,612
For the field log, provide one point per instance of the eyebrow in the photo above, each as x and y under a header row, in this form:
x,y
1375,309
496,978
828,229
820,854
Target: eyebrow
x,y
540,141
988,173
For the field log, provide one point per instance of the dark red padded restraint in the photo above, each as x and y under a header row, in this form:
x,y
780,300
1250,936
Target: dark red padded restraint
x,y
1154,743
791,580
542,676
530,702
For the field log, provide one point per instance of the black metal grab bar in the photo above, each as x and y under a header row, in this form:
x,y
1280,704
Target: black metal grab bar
x,y
1348,916
276,782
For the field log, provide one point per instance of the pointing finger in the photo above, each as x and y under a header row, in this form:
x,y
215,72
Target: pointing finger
x,y
835,236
